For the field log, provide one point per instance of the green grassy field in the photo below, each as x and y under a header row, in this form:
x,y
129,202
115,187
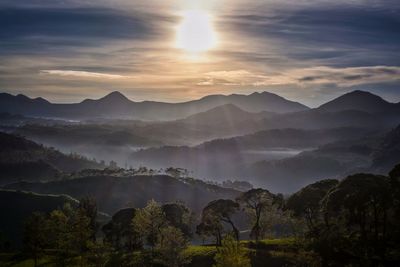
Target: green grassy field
x,y
271,252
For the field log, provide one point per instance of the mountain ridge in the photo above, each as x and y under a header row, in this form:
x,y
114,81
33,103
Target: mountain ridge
x,y
117,105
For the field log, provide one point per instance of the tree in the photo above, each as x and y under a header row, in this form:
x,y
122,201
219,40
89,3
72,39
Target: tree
x,y
360,207
256,202
35,239
221,210
61,237
171,246
231,254
89,208
70,232
209,226
148,222
179,216
120,233
306,203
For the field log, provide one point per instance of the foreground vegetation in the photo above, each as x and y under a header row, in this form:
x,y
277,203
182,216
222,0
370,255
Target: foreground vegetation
x,y
352,222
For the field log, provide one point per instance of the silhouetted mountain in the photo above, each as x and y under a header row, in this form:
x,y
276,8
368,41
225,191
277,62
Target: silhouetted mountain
x,y
114,193
17,206
255,102
225,114
360,100
116,105
21,159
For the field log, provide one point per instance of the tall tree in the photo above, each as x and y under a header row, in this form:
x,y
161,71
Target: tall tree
x,y
120,233
171,246
306,203
360,206
179,216
222,210
148,222
256,202
35,239
89,208
210,227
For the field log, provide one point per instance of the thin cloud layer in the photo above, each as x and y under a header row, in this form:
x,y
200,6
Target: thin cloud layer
x,y
83,74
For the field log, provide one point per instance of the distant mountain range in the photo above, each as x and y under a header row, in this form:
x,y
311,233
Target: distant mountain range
x,y
116,105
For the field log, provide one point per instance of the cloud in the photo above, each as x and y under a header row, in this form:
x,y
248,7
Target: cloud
x,y
350,76
82,74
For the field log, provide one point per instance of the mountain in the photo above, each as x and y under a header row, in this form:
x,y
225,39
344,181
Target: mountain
x,y
22,159
225,114
116,105
17,206
114,193
361,101
255,102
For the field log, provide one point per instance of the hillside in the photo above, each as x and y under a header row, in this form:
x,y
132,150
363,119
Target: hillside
x,y
22,159
17,206
114,193
332,160
210,159
388,152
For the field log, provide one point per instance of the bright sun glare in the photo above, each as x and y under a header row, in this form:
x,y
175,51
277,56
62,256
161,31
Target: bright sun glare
x,y
196,33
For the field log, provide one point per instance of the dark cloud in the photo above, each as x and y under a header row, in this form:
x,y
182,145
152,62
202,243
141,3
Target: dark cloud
x,y
341,36
36,30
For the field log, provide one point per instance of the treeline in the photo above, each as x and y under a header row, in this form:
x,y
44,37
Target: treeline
x,y
352,222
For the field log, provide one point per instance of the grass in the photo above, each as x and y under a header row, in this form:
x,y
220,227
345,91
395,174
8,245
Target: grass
x,y
275,252
15,260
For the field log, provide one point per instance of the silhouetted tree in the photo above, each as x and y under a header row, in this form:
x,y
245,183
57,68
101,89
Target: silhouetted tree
x,y
88,207
179,216
120,233
358,209
306,203
35,239
221,210
256,202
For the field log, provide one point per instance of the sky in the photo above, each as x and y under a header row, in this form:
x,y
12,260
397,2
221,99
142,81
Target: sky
x,y
306,50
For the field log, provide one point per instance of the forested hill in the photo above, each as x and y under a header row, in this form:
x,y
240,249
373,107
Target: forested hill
x,y
17,206
23,159
114,193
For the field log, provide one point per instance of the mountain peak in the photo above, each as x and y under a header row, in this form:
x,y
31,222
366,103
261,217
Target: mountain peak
x,y
115,95
357,100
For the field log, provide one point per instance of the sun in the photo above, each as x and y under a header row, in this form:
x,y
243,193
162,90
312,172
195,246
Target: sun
x,y
196,33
